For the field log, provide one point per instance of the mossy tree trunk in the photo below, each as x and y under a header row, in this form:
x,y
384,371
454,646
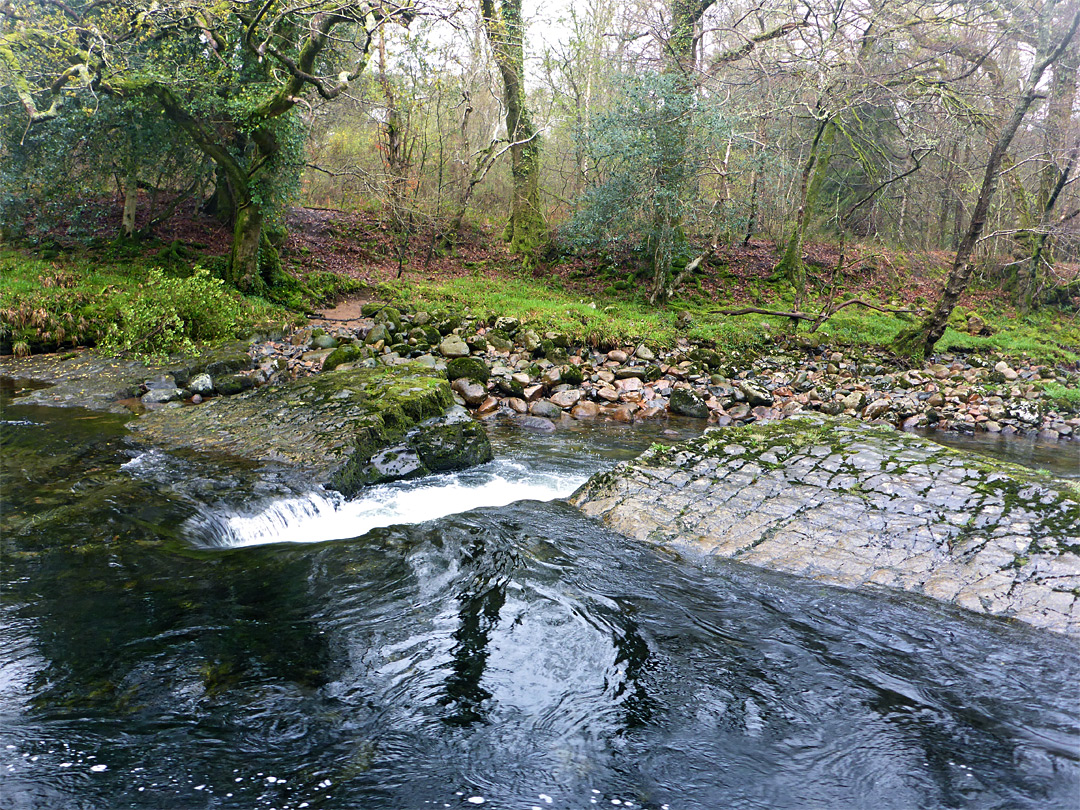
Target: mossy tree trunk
x,y
1054,175
131,186
526,230
673,170
245,270
791,265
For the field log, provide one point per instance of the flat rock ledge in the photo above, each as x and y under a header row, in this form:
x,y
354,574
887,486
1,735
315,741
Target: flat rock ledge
x,y
859,506
342,429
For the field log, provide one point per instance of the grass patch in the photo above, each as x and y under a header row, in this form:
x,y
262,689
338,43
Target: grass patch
x,y
123,307
621,318
1047,336
599,322
1061,397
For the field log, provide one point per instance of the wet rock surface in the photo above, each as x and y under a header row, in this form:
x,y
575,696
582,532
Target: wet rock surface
x,y
343,429
859,506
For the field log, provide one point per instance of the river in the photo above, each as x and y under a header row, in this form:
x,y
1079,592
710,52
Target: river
x,y
178,634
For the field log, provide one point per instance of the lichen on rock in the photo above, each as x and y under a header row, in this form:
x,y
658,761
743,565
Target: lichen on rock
x,y
859,506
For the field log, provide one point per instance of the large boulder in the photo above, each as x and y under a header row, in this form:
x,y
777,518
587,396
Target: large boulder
x,y
860,506
343,429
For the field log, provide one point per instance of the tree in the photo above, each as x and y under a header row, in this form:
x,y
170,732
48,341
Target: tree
x,y
526,230
920,340
229,75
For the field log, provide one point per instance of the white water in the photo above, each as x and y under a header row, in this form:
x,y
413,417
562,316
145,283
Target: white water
x,y
319,516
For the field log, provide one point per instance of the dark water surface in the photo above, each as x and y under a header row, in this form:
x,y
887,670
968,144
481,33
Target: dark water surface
x,y
159,650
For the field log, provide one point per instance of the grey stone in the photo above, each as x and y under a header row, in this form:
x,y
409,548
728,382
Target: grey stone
x,y
158,396
201,384
378,332
856,505
545,408
754,395
453,346
687,402
472,392
536,423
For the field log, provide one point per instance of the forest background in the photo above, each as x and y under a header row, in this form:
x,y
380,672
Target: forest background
x,y
897,157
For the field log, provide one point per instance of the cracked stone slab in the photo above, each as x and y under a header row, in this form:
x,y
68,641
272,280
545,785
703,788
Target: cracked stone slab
x,y
857,505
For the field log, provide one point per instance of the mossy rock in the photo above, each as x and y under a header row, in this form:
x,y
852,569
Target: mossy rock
x,y
327,429
471,368
233,384
859,506
377,333
448,325
556,354
509,387
452,442
390,316
342,355
707,357
571,375
685,401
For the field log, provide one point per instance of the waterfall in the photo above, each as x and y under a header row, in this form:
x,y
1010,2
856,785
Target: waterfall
x,y
325,515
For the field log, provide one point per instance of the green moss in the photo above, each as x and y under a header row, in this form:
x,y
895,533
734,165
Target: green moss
x,y
342,355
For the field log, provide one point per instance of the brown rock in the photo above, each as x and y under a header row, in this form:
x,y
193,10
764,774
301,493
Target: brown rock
x,y
488,406
622,413
608,394
585,410
472,392
517,404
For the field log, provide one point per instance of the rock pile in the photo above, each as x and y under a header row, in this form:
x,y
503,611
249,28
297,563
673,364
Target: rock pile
x,y
503,367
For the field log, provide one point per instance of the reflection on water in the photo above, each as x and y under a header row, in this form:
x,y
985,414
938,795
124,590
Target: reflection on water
x,y
1062,458
519,655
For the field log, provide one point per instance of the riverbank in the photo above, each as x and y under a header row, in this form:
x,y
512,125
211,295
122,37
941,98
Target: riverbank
x,y
500,367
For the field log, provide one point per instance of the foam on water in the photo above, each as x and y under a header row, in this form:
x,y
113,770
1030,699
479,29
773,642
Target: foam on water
x,y
325,515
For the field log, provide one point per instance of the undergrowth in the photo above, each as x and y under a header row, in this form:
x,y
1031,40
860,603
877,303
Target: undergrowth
x,y
120,307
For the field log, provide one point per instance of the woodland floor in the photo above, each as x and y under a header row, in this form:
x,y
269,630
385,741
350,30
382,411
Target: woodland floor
x,y
361,246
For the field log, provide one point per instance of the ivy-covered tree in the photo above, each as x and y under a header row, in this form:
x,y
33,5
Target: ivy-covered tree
x,y
526,230
228,74
647,163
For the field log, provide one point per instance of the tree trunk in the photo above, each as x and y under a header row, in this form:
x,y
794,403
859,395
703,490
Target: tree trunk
x,y
130,183
921,340
131,199
526,230
1052,178
755,181
243,271
221,204
672,174
817,164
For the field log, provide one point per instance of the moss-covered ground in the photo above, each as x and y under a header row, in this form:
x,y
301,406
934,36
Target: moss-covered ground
x,y
112,295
